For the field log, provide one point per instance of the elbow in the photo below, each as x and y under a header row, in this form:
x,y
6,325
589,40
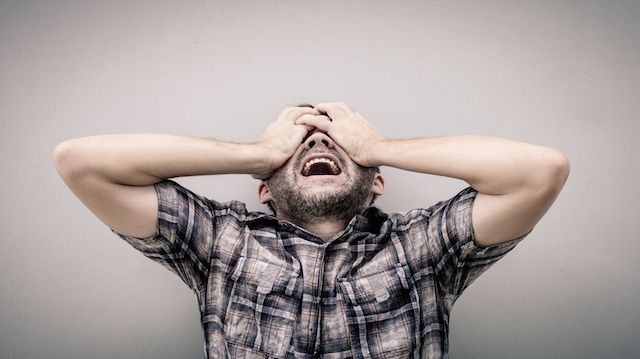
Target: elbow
x,y
561,166
66,159
61,155
63,158
558,169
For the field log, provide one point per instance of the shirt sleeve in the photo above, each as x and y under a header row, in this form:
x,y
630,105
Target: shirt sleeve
x,y
184,235
457,259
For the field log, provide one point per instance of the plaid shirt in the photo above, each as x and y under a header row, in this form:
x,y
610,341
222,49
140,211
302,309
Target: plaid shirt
x,y
381,288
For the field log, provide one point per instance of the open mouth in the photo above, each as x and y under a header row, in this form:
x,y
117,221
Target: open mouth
x,y
320,166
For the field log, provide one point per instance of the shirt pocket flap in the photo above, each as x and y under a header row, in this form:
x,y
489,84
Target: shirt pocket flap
x,y
378,287
265,277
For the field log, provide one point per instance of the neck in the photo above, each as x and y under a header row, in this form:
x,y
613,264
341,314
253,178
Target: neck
x,y
323,228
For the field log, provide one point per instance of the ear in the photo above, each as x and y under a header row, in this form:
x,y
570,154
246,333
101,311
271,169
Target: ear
x,y
264,195
378,185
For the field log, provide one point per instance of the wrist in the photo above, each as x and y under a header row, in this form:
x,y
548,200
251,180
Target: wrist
x,y
376,151
267,159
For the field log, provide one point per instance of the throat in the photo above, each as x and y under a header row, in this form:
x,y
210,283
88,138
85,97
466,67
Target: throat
x,y
325,229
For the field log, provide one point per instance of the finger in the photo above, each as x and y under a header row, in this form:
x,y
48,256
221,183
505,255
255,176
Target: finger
x,y
318,121
312,120
289,114
335,110
333,105
303,127
307,128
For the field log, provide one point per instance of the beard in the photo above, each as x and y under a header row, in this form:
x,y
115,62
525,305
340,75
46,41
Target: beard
x,y
340,205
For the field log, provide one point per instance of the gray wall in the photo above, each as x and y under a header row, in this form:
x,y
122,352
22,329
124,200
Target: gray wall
x,y
563,74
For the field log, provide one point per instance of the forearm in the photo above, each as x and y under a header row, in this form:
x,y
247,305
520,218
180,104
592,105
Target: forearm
x,y
491,165
143,159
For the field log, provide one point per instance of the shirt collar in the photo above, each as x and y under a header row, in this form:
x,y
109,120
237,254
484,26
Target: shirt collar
x,y
371,219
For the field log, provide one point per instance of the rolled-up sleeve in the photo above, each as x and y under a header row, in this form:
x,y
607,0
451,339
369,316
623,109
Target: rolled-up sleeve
x,y
184,235
458,260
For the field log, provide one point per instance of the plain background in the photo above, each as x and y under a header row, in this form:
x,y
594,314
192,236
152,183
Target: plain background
x,y
562,74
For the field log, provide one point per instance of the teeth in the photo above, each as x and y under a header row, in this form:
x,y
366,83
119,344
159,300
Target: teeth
x,y
333,165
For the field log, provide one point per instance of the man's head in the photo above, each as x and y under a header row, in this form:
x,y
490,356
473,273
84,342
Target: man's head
x,y
320,182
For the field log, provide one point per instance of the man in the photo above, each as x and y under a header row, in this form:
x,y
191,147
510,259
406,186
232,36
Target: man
x,y
328,274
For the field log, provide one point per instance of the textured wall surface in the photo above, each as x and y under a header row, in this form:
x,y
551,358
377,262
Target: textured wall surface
x,y
562,74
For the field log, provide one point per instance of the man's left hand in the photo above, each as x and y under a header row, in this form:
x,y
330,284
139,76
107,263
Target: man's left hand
x,y
349,129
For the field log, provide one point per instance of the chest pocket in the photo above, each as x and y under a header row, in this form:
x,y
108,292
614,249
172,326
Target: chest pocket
x,y
263,306
383,313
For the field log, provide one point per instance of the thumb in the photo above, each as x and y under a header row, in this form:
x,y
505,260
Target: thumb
x,y
321,122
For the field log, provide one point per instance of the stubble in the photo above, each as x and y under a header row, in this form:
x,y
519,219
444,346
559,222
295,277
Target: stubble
x,y
339,205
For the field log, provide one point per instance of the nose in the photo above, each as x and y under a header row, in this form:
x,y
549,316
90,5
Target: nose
x,y
318,139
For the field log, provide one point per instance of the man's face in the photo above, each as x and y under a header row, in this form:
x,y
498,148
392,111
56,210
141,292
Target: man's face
x,y
320,182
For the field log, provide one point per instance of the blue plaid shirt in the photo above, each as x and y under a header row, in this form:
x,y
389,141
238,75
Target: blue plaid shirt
x,y
381,288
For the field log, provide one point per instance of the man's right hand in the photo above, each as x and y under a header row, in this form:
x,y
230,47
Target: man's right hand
x,y
282,137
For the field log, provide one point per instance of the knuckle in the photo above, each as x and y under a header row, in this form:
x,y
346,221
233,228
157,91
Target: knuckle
x,y
304,110
285,111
